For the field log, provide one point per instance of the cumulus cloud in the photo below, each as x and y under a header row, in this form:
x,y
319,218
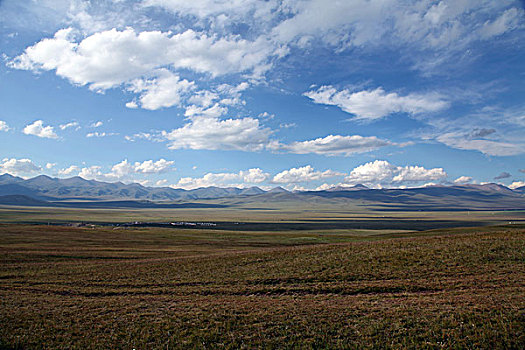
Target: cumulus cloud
x,y
247,134
333,145
503,175
110,58
244,134
164,91
50,165
71,170
231,94
93,173
18,167
162,182
132,105
125,170
240,179
303,174
463,180
516,184
214,111
3,126
376,104
151,167
38,129
382,173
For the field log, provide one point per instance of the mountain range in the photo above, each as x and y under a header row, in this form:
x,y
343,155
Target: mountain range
x,y
44,190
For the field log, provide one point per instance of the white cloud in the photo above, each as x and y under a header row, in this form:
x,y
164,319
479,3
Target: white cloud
x,y
517,184
232,93
441,29
18,167
125,171
69,125
38,129
254,175
110,58
97,124
315,18
493,148
244,134
303,174
166,90
203,98
120,171
240,179
151,167
132,105
73,169
333,145
509,20
287,125
101,134
215,8
50,165
214,111
162,182
376,104
92,173
155,136
214,104
463,180
382,173
145,63
3,126
266,116
325,187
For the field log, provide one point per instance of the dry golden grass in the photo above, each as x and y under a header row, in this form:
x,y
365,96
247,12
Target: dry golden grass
x,y
149,288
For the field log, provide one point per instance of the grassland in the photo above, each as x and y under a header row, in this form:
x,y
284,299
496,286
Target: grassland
x,y
145,288
258,212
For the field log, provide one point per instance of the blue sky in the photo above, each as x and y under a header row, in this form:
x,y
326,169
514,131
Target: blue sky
x,y
300,94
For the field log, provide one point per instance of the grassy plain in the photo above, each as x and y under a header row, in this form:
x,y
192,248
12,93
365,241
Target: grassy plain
x,y
257,212
145,288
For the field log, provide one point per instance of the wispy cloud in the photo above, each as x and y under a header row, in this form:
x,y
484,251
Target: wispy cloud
x,y
375,104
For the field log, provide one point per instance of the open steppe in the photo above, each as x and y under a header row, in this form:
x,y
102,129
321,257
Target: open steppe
x,y
151,287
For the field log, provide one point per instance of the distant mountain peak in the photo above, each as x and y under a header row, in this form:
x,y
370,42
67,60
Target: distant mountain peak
x,y
278,189
357,187
8,178
43,177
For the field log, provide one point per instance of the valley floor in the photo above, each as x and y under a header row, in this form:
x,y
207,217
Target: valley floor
x,y
64,287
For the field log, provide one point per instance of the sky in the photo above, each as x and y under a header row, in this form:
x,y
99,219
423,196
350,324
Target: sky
x,y
303,94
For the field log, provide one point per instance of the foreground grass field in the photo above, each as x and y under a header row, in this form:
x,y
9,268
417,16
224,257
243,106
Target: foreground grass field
x,y
63,287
